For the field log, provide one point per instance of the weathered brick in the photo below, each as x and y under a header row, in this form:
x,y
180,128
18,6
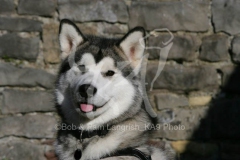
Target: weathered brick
x,y
7,6
27,77
20,48
20,24
179,15
102,28
1,102
236,49
183,48
105,10
225,15
179,77
50,43
231,78
40,7
15,101
199,100
168,100
21,149
31,126
214,48
185,121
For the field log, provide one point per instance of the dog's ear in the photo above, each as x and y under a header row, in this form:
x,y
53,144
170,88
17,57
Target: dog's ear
x,y
133,45
69,37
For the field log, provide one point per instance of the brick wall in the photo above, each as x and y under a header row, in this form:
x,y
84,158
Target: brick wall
x,y
198,88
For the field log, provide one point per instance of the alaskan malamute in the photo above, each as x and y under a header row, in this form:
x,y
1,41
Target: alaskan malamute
x,y
99,98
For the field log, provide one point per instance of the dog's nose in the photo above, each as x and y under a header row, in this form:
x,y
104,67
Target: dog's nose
x,y
87,90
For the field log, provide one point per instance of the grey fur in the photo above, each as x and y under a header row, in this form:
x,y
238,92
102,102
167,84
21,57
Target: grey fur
x,y
66,84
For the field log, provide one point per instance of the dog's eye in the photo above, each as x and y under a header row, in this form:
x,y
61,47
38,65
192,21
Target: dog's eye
x,y
82,68
109,73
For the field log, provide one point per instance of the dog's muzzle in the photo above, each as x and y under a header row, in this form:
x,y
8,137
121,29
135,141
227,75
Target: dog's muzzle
x,y
87,91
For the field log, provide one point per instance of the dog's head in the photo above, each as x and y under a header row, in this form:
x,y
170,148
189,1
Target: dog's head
x,y
98,78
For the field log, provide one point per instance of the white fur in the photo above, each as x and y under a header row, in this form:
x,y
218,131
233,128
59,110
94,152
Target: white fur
x,y
117,99
133,41
101,147
115,93
60,96
69,35
106,145
158,155
117,106
87,60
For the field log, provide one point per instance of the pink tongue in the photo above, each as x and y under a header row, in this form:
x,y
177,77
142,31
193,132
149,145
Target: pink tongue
x,y
86,107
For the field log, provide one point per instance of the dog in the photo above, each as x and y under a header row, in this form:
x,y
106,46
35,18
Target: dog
x,y
99,98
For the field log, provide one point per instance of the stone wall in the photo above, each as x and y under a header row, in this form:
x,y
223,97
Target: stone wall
x,y
198,88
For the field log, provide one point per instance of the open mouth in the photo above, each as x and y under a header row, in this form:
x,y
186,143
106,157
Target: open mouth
x,y
85,107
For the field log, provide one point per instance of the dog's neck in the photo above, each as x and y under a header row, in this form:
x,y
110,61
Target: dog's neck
x,y
82,134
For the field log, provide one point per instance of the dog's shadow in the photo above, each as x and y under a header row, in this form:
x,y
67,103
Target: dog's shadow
x,y
218,135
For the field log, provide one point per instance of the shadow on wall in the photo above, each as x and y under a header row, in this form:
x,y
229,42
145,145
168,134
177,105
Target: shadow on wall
x,y
218,135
